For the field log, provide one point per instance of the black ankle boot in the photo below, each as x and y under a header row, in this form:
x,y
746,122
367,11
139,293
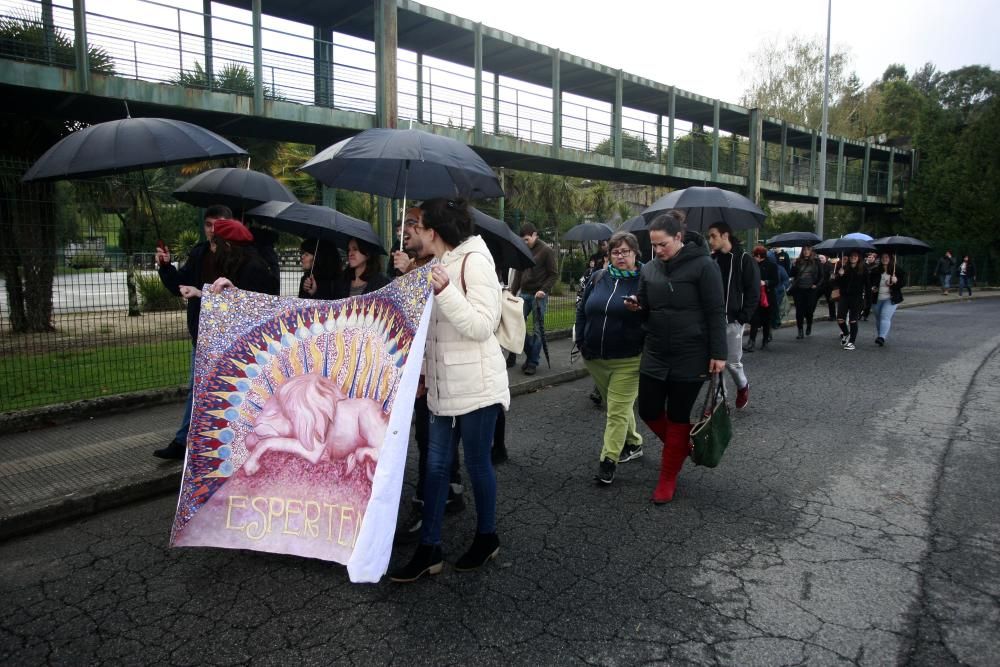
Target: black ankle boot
x,y
498,454
809,329
800,336
484,548
175,451
426,560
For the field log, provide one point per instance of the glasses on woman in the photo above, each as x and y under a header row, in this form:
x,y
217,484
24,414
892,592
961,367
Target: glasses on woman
x,y
621,253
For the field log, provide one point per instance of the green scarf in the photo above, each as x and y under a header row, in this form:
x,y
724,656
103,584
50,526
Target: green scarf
x,y
619,273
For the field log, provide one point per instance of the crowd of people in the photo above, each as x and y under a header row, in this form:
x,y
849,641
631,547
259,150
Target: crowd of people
x,y
650,335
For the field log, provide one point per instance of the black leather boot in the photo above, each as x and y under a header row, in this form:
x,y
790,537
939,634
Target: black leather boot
x,y
175,451
426,560
800,336
484,548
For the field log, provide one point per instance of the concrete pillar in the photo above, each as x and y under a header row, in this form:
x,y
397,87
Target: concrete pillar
x,y
753,165
888,187
80,46
496,104
477,57
866,171
322,66
782,156
206,11
420,87
385,63
616,130
812,164
715,141
672,111
49,30
556,103
659,137
258,61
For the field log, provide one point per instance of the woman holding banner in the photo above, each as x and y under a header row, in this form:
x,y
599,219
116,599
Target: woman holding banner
x,y
466,379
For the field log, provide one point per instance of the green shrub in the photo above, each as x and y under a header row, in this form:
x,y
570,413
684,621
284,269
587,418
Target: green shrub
x,y
156,297
186,240
86,260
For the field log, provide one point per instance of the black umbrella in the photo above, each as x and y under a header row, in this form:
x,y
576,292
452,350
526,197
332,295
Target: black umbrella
x,y
793,240
239,189
127,145
589,231
540,323
839,246
508,249
404,163
316,222
901,245
636,224
705,206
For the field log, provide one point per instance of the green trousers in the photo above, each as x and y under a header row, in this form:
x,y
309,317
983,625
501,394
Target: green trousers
x,y
618,382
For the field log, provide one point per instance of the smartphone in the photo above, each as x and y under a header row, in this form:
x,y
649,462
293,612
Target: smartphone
x,y
631,299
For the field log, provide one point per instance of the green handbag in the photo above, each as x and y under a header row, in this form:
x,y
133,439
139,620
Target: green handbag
x,y
710,436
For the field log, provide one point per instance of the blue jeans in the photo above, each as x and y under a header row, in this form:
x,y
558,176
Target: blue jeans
x,y
476,429
182,433
533,340
946,281
884,309
964,282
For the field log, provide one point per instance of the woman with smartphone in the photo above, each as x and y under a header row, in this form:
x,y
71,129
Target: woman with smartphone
x,y
609,337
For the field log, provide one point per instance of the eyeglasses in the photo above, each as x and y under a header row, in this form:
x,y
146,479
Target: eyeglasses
x,y
621,253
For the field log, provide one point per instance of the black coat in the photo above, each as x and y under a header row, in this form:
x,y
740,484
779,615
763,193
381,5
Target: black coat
x,y
189,274
681,300
742,282
769,274
853,284
342,287
604,328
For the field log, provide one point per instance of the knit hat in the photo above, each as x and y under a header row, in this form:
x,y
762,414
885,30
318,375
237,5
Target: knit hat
x,y
231,230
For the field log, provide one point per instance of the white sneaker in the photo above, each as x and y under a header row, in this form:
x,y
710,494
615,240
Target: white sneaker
x,y
848,345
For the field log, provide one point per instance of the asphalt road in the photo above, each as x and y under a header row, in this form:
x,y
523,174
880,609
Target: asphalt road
x,y
853,521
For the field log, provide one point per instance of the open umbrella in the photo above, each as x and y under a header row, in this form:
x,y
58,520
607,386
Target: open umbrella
x,y
707,205
320,222
508,249
589,231
239,189
839,246
858,235
636,224
901,245
793,240
540,322
127,145
404,163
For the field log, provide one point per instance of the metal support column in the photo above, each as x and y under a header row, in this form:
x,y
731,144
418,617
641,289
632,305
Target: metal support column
x,y
496,104
659,138
386,112
782,167
258,61
866,171
616,130
420,87
812,164
477,56
672,110
753,165
715,141
888,186
49,31
80,46
206,11
556,103
840,167
322,67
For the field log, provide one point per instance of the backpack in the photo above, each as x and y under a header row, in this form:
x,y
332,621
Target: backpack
x,y
511,329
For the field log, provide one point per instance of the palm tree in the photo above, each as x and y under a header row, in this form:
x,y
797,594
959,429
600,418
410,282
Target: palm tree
x,y
28,212
555,199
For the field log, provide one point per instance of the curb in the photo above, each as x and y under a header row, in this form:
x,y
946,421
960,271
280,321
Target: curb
x,y
63,413
85,502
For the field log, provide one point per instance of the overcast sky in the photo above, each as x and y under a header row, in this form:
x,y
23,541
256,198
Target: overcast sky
x,y
705,46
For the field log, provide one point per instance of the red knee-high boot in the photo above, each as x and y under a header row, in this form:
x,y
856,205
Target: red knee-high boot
x,y
659,427
676,447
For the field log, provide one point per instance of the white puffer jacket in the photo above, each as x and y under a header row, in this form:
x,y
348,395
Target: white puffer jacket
x,y
465,368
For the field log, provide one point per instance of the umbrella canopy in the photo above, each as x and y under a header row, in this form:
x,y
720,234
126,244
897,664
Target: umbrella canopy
x,y
705,206
127,145
793,240
838,246
589,231
508,249
901,245
636,224
317,222
404,164
858,235
239,189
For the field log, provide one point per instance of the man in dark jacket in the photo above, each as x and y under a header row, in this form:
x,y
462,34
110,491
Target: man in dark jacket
x,y
534,286
197,270
741,292
945,267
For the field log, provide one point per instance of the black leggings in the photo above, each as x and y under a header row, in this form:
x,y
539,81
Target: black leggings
x,y
761,318
805,304
848,312
678,396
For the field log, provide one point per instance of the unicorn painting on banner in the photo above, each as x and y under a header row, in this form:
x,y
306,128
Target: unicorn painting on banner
x,y
301,422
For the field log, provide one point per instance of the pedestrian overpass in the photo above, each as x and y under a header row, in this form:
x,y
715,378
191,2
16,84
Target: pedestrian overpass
x,y
316,72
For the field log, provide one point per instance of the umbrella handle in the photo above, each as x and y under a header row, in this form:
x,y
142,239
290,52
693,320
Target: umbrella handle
x,y
406,183
152,207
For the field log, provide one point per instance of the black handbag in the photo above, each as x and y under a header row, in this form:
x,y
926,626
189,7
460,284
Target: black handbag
x,y
711,434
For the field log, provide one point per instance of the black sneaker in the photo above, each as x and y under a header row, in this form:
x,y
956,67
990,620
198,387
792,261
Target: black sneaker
x,y
595,396
498,455
880,341
426,560
456,500
843,338
630,452
529,369
409,531
606,471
